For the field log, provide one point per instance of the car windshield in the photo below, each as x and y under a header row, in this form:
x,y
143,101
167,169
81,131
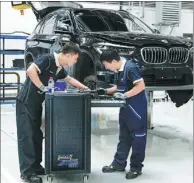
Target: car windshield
x,y
134,24
101,20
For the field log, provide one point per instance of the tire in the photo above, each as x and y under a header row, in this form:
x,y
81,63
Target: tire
x,y
91,82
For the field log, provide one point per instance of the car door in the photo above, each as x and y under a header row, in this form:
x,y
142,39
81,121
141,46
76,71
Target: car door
x,y
33,45
64,30
46,36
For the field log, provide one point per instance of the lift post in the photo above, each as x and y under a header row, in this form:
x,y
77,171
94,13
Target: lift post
x,y
150,109
150,91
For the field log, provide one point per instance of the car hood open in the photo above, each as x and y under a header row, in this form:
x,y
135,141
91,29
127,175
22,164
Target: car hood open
x,y
42,8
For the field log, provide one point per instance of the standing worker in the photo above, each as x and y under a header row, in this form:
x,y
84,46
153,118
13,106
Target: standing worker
x,y
29,107
132,116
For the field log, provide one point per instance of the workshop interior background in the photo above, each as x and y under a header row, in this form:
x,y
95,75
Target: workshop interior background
x,y
146,11
171,121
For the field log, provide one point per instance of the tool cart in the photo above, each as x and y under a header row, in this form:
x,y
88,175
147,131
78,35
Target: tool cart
x,y
67,134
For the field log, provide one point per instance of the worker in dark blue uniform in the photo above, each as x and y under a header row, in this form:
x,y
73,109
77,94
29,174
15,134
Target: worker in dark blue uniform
x,y
29,107
132,116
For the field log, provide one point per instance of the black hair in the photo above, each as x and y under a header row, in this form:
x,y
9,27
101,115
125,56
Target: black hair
x,y
109,56
71,48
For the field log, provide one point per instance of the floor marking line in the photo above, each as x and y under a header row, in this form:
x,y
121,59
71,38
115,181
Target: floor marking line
x,y
9,135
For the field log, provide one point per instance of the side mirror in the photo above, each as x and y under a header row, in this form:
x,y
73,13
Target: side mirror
x,y
156,31
65,28
62,32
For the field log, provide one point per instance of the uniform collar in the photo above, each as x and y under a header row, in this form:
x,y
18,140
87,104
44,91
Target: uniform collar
x,y
123,61
57,63
56,59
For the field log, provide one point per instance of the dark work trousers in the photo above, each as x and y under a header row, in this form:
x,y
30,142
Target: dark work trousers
x,y
130,135
29,136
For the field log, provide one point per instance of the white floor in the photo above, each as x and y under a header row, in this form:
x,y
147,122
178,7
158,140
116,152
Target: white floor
x,y
169,154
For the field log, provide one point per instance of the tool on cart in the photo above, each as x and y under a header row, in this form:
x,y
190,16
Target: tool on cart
x,y
98,100
104,100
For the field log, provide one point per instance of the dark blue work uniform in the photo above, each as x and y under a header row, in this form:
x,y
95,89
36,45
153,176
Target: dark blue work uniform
x,y
29,113
132,120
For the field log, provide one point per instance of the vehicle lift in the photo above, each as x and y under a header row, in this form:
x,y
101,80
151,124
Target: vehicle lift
x,y
150,91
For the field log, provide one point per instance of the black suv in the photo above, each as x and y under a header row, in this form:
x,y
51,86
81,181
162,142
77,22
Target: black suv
x,y
164,60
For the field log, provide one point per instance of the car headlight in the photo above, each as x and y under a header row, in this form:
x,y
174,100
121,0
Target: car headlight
x,y
121,49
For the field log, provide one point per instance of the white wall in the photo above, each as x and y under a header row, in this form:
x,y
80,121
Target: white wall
x,y
11,20
185,26
99,5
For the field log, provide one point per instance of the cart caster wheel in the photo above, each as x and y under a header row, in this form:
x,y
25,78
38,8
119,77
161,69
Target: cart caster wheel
x,y
85,178
37,180
50,178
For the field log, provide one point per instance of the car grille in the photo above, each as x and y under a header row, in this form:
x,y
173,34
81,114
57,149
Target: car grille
x,y
159,55
178,55
155,55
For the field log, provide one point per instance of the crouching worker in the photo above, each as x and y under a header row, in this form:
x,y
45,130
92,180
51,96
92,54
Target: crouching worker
x,y
132,116
29,107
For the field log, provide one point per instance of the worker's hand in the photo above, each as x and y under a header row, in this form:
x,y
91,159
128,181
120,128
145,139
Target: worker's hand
x,y
44,89
101,91
86,89
119,95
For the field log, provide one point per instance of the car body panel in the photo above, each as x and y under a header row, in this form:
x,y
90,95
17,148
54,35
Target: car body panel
x,y
164,60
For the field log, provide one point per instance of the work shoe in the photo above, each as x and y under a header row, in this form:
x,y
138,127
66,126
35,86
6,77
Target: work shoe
x,y
32,178
132,174
111,168
40,170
